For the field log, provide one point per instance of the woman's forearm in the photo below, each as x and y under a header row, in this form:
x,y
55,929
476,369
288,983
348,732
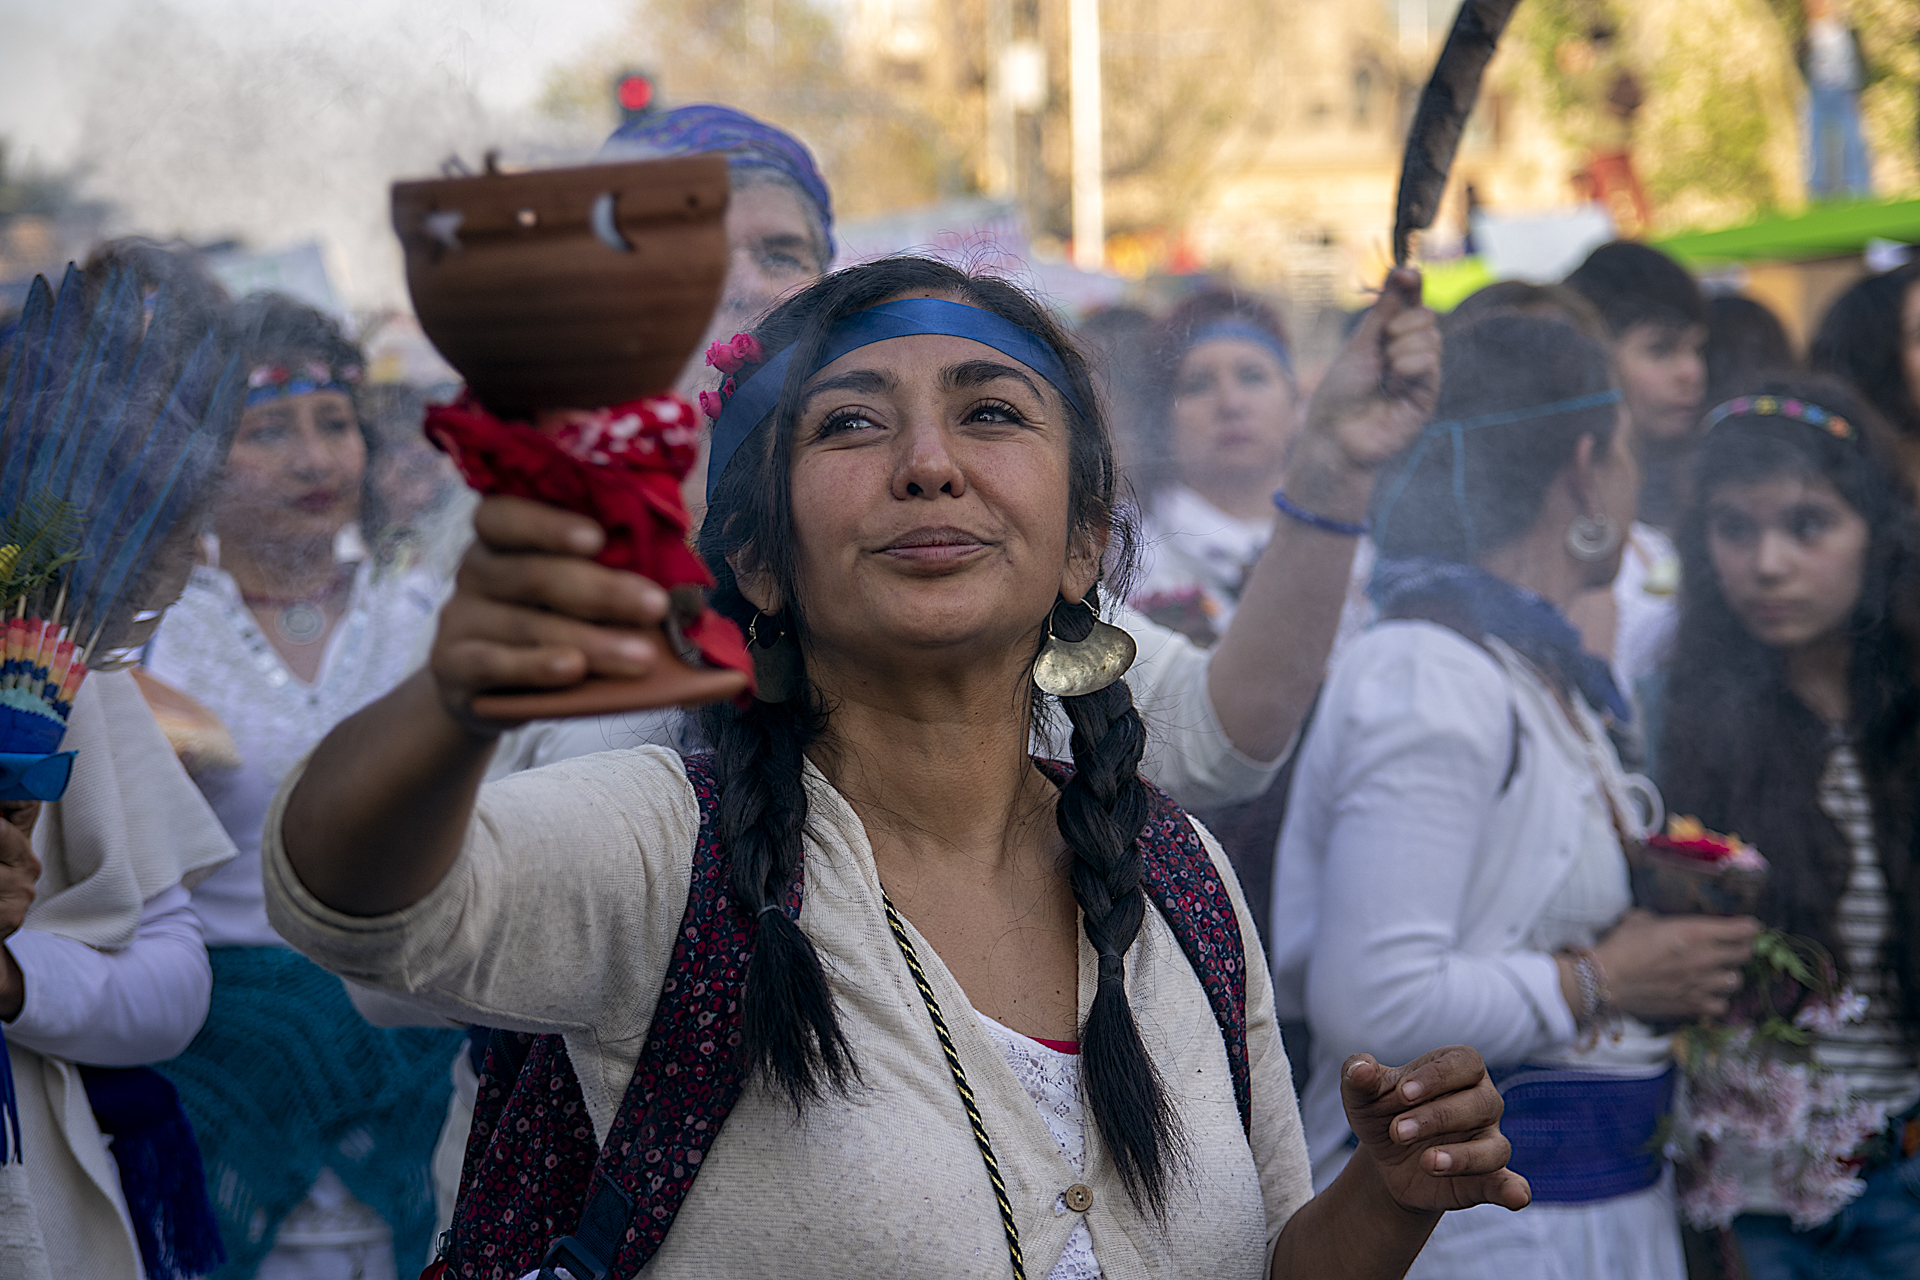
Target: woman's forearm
x,y
380,812
1268,666
1354,1230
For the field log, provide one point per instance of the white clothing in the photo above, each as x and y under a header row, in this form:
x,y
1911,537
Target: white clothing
x,y
1188,544
141,1004
1426,875
1646,600
210,647
114,853
1052,1079
1637,1237
1831,60
560,916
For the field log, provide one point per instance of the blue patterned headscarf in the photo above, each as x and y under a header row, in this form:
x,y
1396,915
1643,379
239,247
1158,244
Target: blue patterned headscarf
x,y
747,143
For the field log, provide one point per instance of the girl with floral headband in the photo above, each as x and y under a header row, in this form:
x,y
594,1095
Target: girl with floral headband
x,y
1791,710
923,1004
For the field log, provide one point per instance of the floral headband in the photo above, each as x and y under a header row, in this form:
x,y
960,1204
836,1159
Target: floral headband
x,y
275,381
1782,407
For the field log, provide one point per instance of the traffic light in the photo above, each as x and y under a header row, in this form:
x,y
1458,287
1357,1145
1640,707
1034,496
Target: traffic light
x,y
634,92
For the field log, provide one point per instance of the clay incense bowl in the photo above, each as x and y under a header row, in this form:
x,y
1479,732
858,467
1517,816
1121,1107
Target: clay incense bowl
x,y
573,289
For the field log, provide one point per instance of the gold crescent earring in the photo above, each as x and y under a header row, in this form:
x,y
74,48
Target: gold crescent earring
x,y
1074,668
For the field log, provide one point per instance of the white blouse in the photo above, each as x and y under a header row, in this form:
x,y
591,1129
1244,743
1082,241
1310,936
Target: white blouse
x,y
1427,872
211,647
560,916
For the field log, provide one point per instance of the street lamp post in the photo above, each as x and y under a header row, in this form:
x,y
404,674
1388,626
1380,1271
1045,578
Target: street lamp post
x,y
1083,84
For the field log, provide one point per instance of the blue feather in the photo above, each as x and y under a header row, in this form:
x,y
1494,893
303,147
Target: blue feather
x,y
23,349
66,330
100,411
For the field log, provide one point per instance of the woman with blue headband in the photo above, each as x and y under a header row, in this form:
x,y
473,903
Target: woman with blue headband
x,y
920,1003
1228,408
281,637
1452,865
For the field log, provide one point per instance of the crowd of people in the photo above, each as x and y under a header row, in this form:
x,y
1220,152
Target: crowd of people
x,y
916,958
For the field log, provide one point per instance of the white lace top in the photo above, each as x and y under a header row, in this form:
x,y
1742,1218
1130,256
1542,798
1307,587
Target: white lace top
x,y
210,647
1052,1080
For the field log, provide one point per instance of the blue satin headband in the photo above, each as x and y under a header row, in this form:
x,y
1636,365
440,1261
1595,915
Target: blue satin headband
x,y
757,398
1242,331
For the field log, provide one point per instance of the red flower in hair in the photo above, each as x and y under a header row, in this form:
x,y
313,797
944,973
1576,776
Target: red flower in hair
x,y
735,354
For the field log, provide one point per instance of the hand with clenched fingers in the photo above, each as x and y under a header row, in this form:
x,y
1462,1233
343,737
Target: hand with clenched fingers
x,y
1432,1129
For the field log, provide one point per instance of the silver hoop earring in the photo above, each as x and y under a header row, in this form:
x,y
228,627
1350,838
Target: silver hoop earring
x,y
776,661
1592,538
1074,668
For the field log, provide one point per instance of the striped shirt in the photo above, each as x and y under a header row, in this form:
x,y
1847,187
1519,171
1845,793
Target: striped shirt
x,y
1872,1055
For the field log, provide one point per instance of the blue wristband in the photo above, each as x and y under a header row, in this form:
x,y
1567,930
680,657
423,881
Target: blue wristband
x,y
1314,520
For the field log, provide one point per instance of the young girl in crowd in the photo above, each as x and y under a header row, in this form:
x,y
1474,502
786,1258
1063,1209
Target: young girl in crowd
x,y
289,630
1451,866
953,971
1792,715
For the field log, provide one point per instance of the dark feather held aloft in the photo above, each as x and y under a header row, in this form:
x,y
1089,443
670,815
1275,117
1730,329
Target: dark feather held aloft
x,y
1444,107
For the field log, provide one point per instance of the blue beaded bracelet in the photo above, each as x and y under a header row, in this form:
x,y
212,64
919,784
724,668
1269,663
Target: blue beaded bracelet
x,y
1316,521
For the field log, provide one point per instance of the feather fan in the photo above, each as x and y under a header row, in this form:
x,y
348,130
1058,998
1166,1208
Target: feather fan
x,y
1444,107
116,413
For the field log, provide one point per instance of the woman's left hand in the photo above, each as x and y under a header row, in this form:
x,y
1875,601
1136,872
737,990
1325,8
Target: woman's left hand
x,y
1432,1130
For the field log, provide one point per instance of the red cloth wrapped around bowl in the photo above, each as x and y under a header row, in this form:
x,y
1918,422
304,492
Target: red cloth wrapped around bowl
x,y
619,466
1693,871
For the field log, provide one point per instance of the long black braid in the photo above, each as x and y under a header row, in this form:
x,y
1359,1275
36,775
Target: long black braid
x,y
791,1028
1101,811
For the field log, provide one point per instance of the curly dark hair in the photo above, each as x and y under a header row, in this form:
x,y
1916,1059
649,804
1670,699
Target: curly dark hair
x,y
791,1028
1739,749
1859,340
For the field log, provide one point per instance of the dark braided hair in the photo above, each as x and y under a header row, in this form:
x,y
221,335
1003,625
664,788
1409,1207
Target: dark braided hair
x,y
791,1029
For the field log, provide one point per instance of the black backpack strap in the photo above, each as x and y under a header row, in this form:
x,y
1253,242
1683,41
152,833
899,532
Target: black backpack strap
x,y
587,1253
537,1190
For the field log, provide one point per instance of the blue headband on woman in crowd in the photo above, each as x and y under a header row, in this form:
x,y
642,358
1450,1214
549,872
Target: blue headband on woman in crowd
x,y
1455,429
756,398
1242,331
747,143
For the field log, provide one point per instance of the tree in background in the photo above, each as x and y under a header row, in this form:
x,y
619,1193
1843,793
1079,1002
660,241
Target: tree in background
x,y
787,62
892,94
1716,138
